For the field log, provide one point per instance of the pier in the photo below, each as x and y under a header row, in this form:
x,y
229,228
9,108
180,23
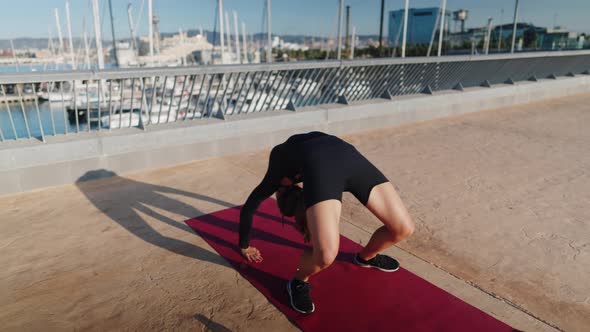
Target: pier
x,y
489,154
486,211
16,99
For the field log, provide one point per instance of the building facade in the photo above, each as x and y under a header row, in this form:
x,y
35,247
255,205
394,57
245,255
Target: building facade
x,y
422,24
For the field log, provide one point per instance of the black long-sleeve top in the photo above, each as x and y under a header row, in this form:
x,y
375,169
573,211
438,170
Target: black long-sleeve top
x,y
284,161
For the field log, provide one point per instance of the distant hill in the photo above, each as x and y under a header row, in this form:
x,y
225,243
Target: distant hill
x,y
42,43
20,43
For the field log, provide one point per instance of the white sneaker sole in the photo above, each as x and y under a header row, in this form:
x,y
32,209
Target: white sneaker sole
x,y
356,261
293,305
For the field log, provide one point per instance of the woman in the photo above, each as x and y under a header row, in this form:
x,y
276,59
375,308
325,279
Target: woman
x,y
327,166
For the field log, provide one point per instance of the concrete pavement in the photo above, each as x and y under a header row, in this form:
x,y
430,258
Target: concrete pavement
x,y
499,198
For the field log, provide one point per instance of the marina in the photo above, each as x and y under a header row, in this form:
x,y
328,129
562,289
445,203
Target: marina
x,y
70,107
17,99
37,107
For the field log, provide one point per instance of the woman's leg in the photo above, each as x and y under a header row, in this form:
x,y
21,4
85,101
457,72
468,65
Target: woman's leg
x,y
387,206
322,222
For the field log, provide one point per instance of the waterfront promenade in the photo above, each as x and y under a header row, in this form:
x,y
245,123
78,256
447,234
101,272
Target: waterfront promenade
x,y
500,199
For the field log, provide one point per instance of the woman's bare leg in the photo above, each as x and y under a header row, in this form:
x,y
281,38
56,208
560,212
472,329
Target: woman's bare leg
x,y
385,204
322,221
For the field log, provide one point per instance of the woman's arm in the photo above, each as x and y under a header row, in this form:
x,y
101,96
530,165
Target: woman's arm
x,y
269,184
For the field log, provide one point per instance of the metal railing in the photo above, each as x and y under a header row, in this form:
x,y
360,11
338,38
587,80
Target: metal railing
x,y
61,103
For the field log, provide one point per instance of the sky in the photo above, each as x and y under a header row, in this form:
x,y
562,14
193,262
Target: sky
x,y
34,18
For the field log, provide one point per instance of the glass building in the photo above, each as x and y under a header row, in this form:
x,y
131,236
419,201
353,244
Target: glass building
x,y
421,25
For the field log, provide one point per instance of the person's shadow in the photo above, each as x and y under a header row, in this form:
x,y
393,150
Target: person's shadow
x,y
121,199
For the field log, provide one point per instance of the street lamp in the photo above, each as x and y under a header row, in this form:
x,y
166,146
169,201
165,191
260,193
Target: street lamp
x,y
405,29
514,26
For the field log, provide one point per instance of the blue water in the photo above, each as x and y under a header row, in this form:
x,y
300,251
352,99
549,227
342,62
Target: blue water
x,y
30,68
58,126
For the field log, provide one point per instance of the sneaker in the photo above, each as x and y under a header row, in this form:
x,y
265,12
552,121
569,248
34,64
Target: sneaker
x,y
381,262
299,296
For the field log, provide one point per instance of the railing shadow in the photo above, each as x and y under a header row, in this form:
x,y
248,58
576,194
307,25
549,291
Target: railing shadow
x,y
125,199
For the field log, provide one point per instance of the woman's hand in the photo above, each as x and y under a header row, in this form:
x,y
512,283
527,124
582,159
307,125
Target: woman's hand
x,y
252,254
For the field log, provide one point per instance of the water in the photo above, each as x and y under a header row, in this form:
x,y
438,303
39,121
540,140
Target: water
x,y
51,118
47,110
37,67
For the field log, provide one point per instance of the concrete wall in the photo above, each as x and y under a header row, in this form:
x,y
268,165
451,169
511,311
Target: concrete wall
x,y
30,165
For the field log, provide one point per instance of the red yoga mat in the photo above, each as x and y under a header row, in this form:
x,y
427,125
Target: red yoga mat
x,y
347,297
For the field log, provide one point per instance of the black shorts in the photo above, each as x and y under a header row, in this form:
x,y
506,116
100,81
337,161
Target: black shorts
x,y
331,166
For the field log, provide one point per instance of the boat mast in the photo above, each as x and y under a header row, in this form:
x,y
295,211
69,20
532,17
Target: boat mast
x,y
70,34
113,32
97,34
244,42
151,30
14,56
50,47
228,34
236,28
54,52
182,47
86,49
130,18
220,7
50,42
61,41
